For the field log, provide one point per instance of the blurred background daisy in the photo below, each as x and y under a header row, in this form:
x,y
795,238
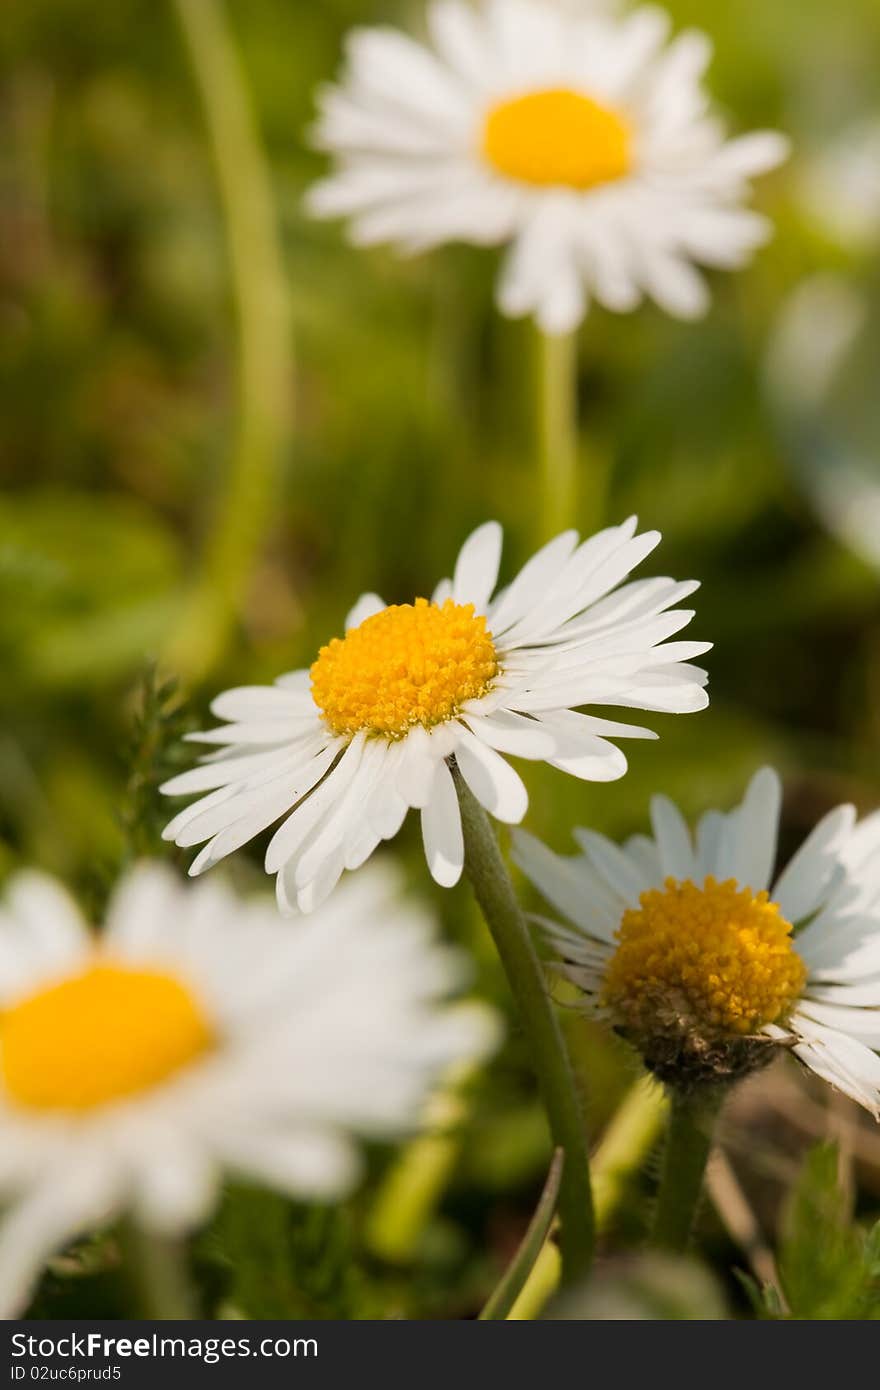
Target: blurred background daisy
x,y
195,1036
583,138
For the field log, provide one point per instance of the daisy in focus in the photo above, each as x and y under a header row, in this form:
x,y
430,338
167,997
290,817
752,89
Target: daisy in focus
x,y
583,140
197,1035
690,948
343,750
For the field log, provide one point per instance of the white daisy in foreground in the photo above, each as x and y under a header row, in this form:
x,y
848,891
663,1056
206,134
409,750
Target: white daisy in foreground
x,y
584,140
369,731
689,948
199,1034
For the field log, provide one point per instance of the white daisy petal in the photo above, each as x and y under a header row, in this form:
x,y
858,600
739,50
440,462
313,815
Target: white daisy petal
x,y
367,606
677,859
616,867
476,570
808,876
492,780
63,1205
441,830
570,885
513,733
749,852
848,1065
46,917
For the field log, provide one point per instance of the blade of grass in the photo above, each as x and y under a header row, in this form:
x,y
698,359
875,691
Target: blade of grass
x,y
244,508
517,1273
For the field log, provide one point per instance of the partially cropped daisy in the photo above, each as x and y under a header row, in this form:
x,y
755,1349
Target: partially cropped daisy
x,y
344,749
691,948
197,1034
583,140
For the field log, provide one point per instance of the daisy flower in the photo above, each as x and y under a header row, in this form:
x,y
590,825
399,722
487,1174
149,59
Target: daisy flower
x,y
197,1034
689,946
581,139
345,749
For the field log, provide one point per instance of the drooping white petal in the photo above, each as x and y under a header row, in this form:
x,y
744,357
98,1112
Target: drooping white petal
x,y
492,780
441,830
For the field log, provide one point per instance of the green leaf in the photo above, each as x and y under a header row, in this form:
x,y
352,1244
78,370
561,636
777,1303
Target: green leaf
x,y
828,1267
282,1260
88,585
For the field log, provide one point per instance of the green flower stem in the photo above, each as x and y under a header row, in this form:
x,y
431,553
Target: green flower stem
x,y
504,1296
498,903
692,1119
629,1138
557,428
265,358
159,1276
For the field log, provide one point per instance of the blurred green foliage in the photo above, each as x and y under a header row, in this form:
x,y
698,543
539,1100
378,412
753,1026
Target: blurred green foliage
x,y
829,1268
117,410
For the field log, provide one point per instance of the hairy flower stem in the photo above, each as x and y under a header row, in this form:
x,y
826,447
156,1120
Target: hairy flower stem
x,y
557,428
692,1117
493,889
159,1277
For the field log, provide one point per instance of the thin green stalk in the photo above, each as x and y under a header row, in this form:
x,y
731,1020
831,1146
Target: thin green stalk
x,y
265,359
557,428
498,903
692,1117
511,1285
629,1137
159,1276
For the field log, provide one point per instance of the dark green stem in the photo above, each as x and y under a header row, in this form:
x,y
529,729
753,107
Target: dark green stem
x,y
498,902
692,1119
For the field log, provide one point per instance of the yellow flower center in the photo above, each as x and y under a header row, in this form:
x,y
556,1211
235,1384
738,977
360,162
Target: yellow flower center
x,y
558,137
96,1037
413,663
717,959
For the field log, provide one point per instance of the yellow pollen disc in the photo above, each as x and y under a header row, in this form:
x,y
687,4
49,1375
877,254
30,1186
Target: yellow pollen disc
x,y
718,957
96,1037
413,663
558,137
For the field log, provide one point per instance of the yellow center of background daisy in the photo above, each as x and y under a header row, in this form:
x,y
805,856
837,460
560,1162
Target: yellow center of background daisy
x,y
557,137
413,663
717,957
96,1037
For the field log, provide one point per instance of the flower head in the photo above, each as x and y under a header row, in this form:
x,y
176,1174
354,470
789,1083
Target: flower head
x,y
343,750
196,1034
583,139
691,950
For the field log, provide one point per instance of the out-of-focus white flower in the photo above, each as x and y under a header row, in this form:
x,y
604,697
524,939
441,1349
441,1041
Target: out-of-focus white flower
x,y
345,749
840,186
197,1034
690,947
582,138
